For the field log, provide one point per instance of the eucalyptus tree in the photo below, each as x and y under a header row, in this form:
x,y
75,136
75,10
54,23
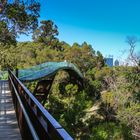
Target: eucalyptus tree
x,y
17,17
46,33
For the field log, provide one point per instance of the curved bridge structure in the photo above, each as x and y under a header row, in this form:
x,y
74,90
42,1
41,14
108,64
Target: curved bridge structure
x,y
48,71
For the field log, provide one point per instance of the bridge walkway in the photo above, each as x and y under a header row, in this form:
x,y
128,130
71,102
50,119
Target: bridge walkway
x,y
9,129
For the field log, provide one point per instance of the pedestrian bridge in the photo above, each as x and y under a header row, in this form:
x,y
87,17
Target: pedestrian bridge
x,y
22,115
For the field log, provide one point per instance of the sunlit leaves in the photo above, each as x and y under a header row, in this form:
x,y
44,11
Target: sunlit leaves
x,y
46,32
19,17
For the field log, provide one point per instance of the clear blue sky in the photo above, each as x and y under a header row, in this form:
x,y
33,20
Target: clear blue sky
x,y
102,23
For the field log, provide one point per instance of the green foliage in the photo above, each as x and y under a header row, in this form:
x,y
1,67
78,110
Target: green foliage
x,y
111,131
107,112
105,108
8,57
133,77
17,17
100,60
130,115
122,98
7,37
46,33
70,89
3,75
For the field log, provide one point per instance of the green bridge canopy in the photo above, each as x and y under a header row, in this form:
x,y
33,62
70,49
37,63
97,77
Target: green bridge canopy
x,y
48,69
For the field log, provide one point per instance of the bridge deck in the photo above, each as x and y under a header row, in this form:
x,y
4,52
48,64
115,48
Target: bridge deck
x,y
8,123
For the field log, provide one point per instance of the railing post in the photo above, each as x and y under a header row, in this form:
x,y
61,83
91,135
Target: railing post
x,y
17,72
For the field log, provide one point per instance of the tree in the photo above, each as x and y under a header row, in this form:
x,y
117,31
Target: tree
x,y
46,32
17,17
6,36
100,60
132,41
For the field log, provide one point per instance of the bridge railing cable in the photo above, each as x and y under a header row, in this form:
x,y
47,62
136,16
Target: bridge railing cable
x,y
35,122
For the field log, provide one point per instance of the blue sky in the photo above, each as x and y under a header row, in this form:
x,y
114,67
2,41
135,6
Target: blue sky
x,y
102,23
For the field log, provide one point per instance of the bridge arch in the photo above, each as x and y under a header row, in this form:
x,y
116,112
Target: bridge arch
x,y
48,71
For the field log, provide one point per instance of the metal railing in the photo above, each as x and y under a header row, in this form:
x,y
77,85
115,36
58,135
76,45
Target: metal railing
x,y
35,122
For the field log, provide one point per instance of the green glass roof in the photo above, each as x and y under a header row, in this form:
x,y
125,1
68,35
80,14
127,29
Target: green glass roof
x,y
47,69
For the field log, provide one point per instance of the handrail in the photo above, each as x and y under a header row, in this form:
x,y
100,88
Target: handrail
x,y
33,132
44,125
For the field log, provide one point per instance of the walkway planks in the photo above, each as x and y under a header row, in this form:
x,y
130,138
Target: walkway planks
x,y
8,124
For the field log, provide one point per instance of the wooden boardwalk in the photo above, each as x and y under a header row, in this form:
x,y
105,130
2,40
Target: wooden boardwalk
x,y
8,123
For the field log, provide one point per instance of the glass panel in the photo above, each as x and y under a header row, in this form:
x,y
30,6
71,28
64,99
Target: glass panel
x,y
46,69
